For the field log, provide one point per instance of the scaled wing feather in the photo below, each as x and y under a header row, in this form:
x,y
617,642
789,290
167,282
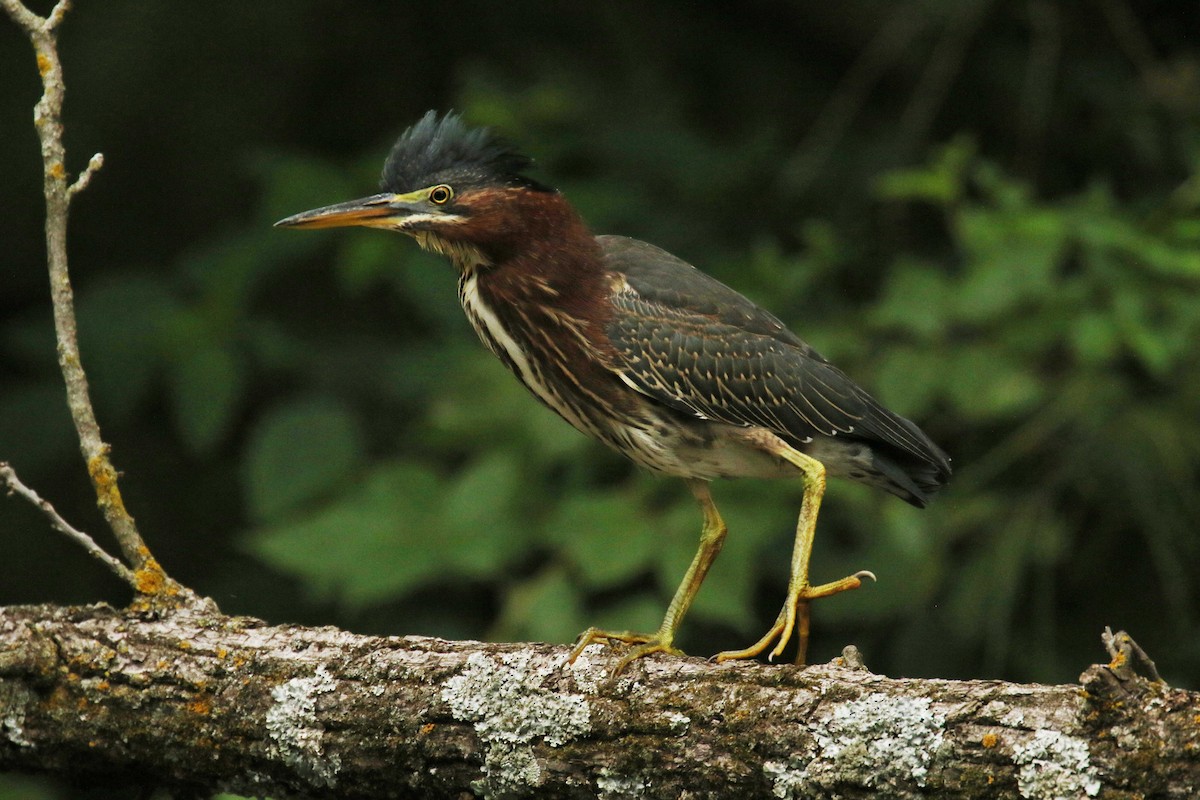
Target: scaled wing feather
x,y
716,355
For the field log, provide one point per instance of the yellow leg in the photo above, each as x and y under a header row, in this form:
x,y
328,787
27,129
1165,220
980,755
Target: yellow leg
x,y
800,592
712,537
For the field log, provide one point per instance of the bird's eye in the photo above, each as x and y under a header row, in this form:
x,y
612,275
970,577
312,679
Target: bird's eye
x,y
441,194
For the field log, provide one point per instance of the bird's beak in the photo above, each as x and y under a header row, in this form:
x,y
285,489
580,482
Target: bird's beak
x,y
377,211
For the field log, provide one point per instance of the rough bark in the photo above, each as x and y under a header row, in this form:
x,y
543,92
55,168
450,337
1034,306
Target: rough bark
x,y
201,702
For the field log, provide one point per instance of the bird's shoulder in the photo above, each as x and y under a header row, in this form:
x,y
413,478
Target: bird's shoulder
x,y
661,284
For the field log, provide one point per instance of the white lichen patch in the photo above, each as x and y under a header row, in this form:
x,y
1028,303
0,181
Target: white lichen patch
x,y
787,779
295,731
1054,766
592,674
12,724
1013,718
502,697
612,785
877,741
679,722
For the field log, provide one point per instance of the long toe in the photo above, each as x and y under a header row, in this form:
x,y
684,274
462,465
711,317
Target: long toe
x,y
654,645
756,649
597,636
836,587
647,644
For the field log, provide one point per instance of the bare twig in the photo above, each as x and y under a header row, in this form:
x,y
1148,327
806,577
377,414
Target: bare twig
x,y
941,69
85,177
8,477
59,191
852,93
1037,93
1127,655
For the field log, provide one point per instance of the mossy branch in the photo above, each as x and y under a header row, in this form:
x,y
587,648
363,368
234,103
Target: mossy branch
x,y
203,703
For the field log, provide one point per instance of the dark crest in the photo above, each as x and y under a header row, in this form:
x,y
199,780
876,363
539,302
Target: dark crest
x,y
447,151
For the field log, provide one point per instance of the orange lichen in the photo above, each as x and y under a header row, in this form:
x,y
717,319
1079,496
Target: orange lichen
x,y
44,64
151,580
222,652
104,478
57,171
990,740
427,728
201,706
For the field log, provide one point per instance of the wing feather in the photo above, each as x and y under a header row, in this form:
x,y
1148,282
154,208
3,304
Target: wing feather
x,y
714,354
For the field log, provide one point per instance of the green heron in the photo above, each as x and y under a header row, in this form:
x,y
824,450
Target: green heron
x,y
642,351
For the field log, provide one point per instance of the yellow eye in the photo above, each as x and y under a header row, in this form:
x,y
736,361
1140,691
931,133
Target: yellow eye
x,y
441,194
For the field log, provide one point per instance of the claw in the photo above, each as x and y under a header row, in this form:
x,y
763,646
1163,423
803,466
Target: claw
x,y
866,573
789,625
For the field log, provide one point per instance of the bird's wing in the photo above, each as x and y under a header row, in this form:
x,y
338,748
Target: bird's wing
x,y
692,343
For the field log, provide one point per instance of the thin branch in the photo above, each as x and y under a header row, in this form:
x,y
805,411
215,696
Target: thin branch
x,y
85,177
59,192
57,13
30,22
1037,93
940,72
852,93
8,477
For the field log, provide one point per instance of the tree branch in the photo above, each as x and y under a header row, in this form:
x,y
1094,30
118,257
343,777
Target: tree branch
x,y
152,582
8,478
211,703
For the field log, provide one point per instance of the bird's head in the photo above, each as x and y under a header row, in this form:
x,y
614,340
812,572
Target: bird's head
x,y
458,191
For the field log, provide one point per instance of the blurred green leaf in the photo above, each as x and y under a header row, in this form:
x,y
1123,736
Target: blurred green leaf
x,y
376,541
1013,255
940,182
35,427
909,378
298,452
1094,336
483,524
916,299
362,261
206,387
120,323
988,382
606,536
544,608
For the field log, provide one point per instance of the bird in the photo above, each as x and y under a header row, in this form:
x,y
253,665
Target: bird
x,y
644,352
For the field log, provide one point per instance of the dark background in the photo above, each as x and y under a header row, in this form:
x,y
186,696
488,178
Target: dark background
x,y
986,212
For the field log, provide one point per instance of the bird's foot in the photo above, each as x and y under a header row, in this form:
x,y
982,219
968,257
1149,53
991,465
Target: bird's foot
x,y
646,644
795,609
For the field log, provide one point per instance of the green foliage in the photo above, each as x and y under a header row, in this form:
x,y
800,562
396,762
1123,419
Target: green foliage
x,y
1072,325
299,452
